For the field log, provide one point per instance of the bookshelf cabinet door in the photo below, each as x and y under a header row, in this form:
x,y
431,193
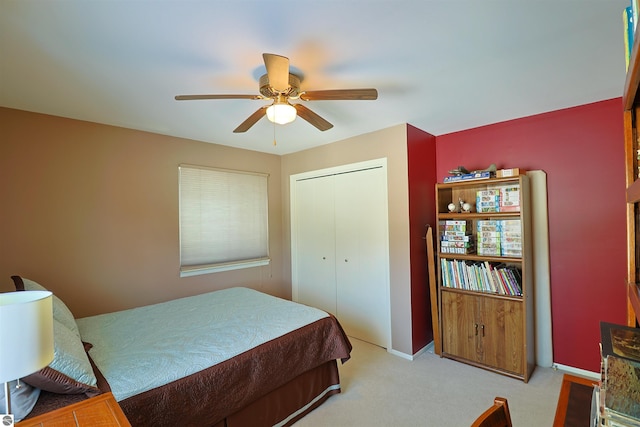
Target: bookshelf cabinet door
x,y
502,334
459,325
486,330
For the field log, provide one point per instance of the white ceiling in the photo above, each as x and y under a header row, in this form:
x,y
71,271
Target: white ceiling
x,y
441,66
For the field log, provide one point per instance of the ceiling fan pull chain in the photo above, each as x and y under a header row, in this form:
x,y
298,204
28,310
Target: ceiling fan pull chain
x,y
274,134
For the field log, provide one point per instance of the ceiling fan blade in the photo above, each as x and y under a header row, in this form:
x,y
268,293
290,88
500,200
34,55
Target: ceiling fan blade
x,y
251,120
339,94
277,71
192,97
312,117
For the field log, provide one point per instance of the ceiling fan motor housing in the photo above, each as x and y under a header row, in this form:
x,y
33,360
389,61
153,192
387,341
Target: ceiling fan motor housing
x,y
293,91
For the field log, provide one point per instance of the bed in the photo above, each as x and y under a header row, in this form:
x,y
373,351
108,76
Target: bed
x,y
234,357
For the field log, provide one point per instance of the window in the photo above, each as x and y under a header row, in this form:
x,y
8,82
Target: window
x,y
223,220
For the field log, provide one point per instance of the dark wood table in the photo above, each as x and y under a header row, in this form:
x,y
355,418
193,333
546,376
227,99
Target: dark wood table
x,y
574,402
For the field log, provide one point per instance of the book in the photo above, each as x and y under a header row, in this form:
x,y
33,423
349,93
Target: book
x,y
509,199
487,200
456,237
628,22
456,244
469,176
504,280
489,225
458,251
511,225
480,276
515,279
456,226
490,277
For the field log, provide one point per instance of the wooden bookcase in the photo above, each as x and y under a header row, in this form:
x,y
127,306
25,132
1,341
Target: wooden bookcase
x,y
479,326
631,103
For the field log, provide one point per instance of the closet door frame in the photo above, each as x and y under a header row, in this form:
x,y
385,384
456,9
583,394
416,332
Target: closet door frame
x,y
353,167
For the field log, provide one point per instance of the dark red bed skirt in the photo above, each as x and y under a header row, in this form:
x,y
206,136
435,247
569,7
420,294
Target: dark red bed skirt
x,y
294,399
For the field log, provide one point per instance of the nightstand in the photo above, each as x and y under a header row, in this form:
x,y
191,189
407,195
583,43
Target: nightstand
x,y
102,411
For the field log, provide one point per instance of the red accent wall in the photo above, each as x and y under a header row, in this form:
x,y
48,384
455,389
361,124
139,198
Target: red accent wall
x,y
421,163
582,151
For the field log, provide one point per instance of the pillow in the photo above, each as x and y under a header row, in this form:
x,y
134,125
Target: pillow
x,y
23,399
60,311
70,372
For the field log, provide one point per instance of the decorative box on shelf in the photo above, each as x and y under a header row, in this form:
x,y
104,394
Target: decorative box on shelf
x,y
503,173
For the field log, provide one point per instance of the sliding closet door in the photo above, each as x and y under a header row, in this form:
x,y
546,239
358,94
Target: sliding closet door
x,y
362,254
315,243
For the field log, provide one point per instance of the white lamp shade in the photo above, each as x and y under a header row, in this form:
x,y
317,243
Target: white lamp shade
x,y
281,113
26,333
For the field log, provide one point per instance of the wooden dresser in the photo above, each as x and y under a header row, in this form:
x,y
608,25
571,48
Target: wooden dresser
x,y
99,411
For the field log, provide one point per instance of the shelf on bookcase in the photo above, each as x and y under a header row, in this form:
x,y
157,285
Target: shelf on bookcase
x,y
476,257
478,182
479,215
492,294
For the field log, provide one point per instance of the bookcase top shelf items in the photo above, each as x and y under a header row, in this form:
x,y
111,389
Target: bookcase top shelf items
x,y
499,197
480,229
479,182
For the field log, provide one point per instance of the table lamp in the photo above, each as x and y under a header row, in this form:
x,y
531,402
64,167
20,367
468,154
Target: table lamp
x,y
26,335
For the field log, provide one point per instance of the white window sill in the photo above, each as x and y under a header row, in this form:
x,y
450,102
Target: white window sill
x,y
215,268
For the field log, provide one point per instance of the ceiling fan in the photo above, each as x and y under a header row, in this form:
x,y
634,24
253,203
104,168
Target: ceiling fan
x,y
281,86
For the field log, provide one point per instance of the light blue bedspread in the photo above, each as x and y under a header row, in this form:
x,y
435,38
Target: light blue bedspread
x,y
145,347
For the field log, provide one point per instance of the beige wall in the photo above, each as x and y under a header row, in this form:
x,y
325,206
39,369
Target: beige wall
x,y
91,211
392,144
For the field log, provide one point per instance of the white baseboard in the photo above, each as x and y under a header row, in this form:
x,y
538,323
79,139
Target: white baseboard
x,y
429,347
555,366
577,371
409,356
400,354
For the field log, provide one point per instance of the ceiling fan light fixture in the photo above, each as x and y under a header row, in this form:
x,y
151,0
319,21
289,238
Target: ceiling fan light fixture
x,y
280,86
281,113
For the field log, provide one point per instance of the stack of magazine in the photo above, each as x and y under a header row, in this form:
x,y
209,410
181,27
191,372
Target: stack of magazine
x,y
618,396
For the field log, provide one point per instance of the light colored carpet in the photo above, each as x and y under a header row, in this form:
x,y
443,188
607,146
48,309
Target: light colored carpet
x,y
381,389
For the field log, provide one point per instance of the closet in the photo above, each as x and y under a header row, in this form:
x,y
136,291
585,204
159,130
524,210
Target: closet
x,y
340,249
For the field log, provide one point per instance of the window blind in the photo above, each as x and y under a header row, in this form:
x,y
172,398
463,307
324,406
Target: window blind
x,y
223,220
